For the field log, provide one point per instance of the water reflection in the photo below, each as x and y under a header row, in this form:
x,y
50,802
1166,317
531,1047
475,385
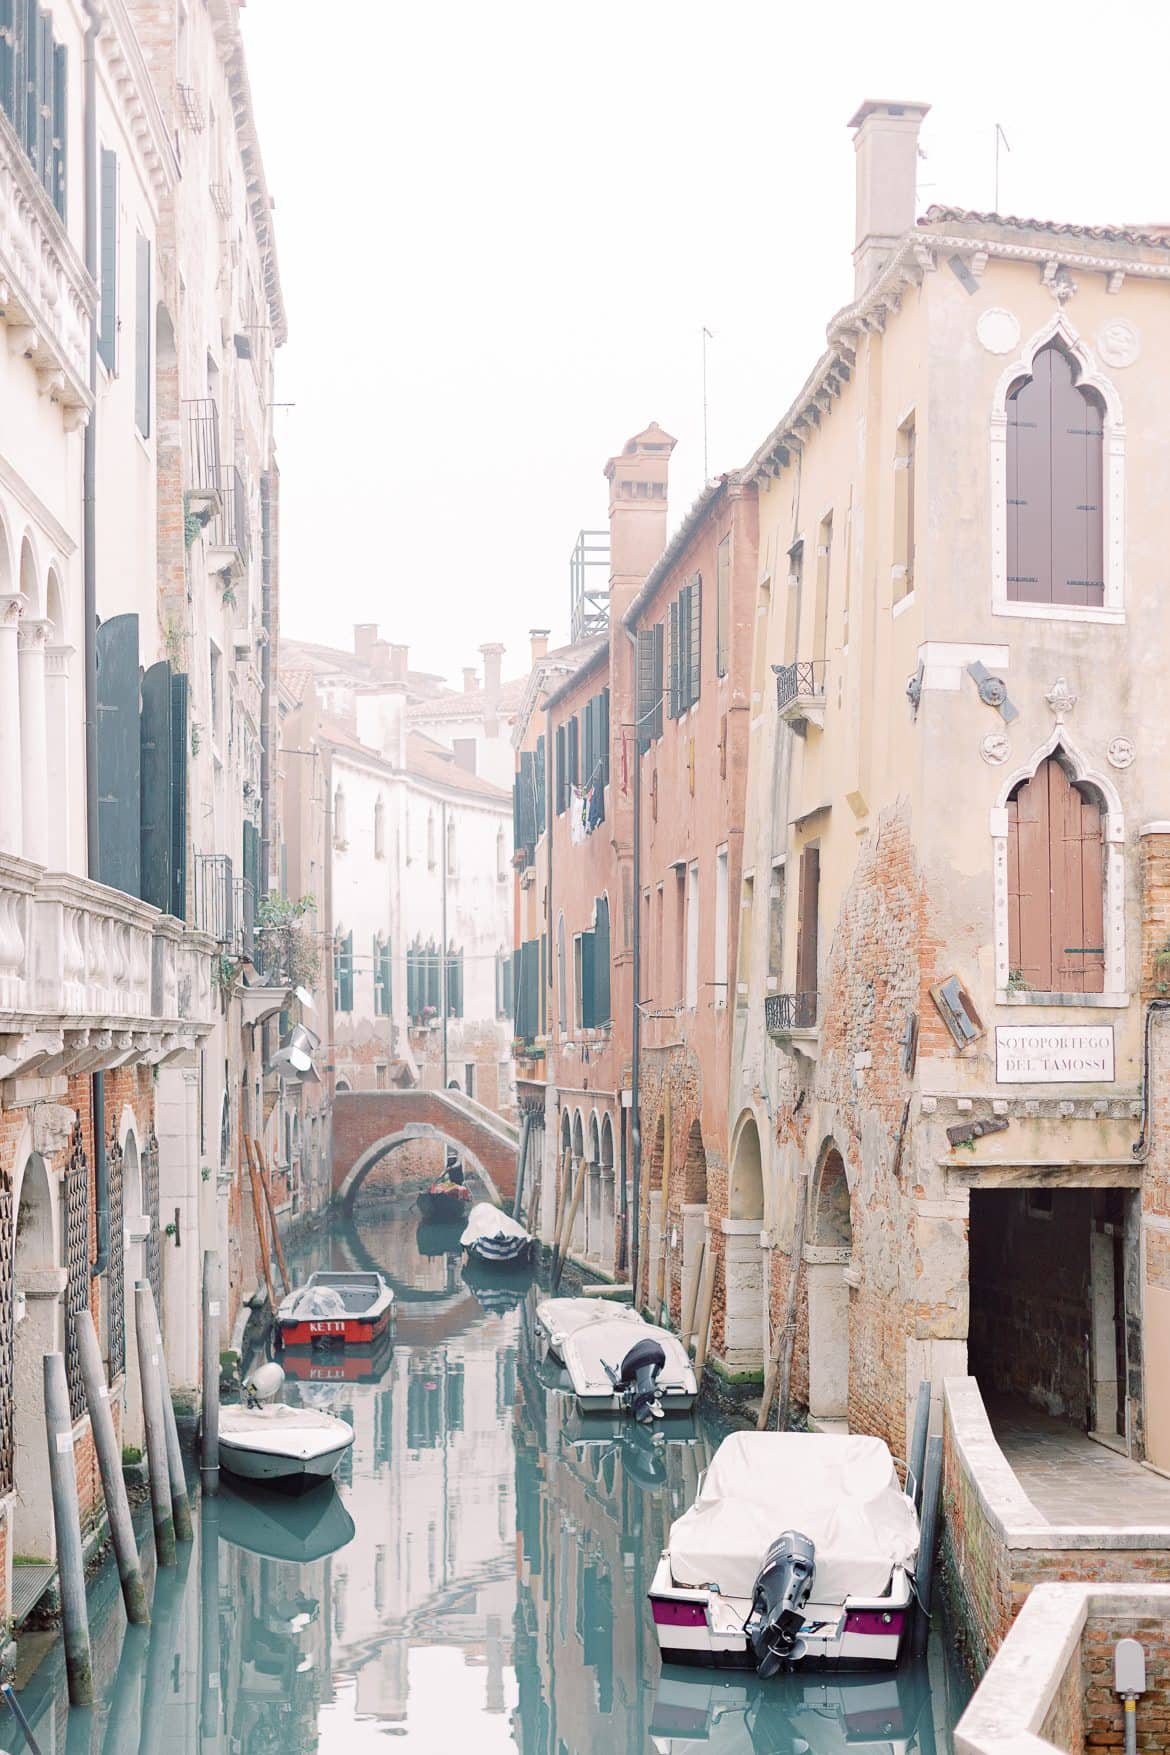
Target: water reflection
x,y
478,1576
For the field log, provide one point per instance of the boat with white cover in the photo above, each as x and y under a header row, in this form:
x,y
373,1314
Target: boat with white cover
x,y
558,1318
266,1441
496,1238
621,1366
335,1309
799,1551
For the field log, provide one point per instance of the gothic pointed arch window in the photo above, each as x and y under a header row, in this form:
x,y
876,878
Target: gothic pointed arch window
x,y
1055,485
379,828
1056,882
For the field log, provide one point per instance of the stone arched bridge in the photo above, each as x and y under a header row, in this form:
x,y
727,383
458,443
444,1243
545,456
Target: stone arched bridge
x,y
368,1124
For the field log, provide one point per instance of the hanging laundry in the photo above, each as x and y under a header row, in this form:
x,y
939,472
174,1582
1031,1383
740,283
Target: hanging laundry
x,y
577,829
596,807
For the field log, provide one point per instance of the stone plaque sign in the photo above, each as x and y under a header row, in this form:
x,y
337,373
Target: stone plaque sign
x,y
1054,1054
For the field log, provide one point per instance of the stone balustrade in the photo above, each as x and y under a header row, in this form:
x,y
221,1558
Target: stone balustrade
x,y
44,288
91,978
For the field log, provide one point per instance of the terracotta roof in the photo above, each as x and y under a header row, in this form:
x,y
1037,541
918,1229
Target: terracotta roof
x,y
321,660
1155,237
597,649
293,683
430,761
469,703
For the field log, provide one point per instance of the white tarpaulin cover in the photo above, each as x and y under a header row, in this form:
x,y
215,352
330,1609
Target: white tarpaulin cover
x,y
315,1301
484,1220
842,1493
585,1350
562,1317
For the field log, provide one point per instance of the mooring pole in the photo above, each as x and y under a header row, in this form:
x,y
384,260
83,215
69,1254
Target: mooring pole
x,y
17,1711
67,1521
927,1533
180,1505
209,1443
155,1424
210,1703
109,1455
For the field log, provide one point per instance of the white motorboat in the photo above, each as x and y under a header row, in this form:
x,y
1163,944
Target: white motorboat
x,y
622,1366
336,1309
558,1318
263,1440
799,1550
496,1238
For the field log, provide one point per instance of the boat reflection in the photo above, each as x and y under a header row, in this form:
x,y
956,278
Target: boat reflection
x,y
499,1289
791,1715
362,1364
280,1528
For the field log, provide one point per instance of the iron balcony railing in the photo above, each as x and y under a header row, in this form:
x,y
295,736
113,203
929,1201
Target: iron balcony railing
x,y
215,897
785,1012
229,527
801,681
203,466
244,904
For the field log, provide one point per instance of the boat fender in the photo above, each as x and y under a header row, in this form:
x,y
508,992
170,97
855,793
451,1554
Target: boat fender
x,y
264,1384
637,1378
781,1591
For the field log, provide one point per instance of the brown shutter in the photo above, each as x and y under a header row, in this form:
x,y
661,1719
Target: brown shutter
x,y
1029,901
1078,947
1078,575
806,924
1029,489
1093,896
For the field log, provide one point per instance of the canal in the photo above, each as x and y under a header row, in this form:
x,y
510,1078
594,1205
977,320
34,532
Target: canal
x,y
475,1582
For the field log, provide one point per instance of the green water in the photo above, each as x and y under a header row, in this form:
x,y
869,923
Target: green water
x,y
476,1582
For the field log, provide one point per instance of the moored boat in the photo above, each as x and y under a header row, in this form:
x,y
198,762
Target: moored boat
x,y
558,1318
624,1366
798,1551
335,1309
278,1446
496,1238
444,1202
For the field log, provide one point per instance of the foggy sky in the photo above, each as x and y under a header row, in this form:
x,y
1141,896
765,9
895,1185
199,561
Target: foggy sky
x,y
502,227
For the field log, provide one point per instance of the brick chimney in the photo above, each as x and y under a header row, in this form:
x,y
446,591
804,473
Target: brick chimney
x,y
886,144
379,658
365,635
493,661
398,662
539,640
470,679
637,513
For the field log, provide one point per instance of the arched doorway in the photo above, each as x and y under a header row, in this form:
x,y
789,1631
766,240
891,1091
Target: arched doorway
x,y
694,1215
38,1283
746,1295
608,1196
827,1255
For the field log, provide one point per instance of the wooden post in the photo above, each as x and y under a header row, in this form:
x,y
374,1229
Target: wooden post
x,y
67,1521
180,1504
261,1228
570,1221
706,1304
692,1303
562,1196
262,1158
781,1365
156,1431
209,1436
667,1162
109,1455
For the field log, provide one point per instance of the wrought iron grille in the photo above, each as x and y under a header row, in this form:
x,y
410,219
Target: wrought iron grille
x,y
116,1277
784,1012
229,527
76,1265
150,1206
214,896
7,1402
794,681
244,900
203,466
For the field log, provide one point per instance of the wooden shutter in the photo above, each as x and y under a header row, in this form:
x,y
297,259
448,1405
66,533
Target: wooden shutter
x,y
1029,886
32,85
649,686
108,281
142,336
562,772
544,983
525,803
807,920
44,117
574,752
1029,488
376,961
1077,438
695,637
538,771
60,128
156,766
603,735
672,618
347,973
180,746
1077,924
8,59
588,994
509,969
601,963
119,742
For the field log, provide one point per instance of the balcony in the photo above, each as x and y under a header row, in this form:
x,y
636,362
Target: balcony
x,y
788,1015
228,530
215,898
243,942
800,694
202,472
91,979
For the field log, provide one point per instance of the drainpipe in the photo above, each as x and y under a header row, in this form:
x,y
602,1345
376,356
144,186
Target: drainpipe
x,y
1141,1146
89,597
443,951
634,1228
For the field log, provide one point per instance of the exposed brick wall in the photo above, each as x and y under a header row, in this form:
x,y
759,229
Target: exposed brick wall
x,y
362,1118
410,1165
1102,1715
1064,1722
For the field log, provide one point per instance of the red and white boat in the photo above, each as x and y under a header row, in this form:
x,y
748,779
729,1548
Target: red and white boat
x,y
799,1552
335,1310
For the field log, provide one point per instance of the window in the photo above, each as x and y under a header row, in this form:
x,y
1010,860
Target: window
x,y
601,963
525,826
692,964
454,982
383,990
807,943
1055,486
34,91
562,774
792,607
1056,887
450,847
743,959
463,749
108,320
143,326
721,927
562,976
679,936
340,837
904,510
573,736
824,574
776,903
342,971
379,828
684,627
430,840
649,685
501,855
595,741
722,604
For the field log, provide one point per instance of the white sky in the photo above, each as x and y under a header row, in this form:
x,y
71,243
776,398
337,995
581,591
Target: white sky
x,y
502,224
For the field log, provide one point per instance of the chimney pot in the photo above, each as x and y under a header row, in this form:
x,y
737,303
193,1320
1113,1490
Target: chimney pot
x,y
886,144
493,661
470,679
539,639
365,635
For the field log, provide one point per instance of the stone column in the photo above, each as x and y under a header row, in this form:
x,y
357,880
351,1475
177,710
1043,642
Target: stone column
x,y
59,739
34,740
743,1319
11,805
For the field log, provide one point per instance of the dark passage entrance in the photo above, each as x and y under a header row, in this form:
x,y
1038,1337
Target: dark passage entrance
x,y
1048,1273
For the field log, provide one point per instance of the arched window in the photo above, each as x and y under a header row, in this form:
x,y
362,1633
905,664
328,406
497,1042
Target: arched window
x,y
340,838
501,855
1055,486
450,847
1055,883
430,840
379,829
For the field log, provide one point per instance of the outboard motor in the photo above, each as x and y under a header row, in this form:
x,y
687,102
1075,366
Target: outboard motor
x,y
781,1591
637,1379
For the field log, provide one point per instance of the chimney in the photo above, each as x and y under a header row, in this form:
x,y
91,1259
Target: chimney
x,y
493,659
398,666
539,639
886,144
637,513
470,679
379,659
364,636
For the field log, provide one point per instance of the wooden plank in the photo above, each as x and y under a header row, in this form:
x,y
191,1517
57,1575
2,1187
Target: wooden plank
x,y
262,1159
261,1232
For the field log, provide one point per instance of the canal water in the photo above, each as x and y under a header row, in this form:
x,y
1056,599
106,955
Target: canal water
x,y
475,1582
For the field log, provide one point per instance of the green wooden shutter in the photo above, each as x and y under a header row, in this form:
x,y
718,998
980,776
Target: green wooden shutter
x,y
588,742
387,979
541,799
108,284
603,735
695,612
562,773
32,83
142,339
60,122
526,804
544,983
649,685
119,742
672,613
180,748
8,59
376,965
509,972
601,963
347,974
156,766
44,119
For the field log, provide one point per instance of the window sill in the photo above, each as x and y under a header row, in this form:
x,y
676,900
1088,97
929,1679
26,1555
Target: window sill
x,y
1057,612
1066,1001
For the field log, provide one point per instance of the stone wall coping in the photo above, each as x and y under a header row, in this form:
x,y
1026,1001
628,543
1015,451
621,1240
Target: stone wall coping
x,y
740,1227
1154,829
1004,1503
1013,1700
